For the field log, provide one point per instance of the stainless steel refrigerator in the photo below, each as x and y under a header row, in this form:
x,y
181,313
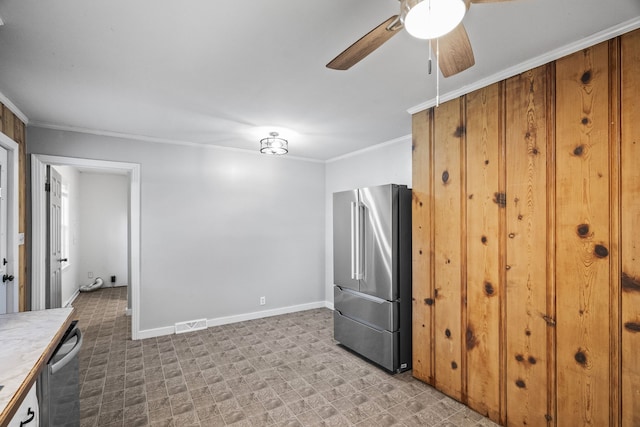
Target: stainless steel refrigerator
x,y
372,273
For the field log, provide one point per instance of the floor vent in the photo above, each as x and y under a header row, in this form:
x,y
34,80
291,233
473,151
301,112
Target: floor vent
x,y
191,325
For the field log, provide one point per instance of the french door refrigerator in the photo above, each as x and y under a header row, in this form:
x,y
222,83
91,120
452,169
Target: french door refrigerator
x,y
372,273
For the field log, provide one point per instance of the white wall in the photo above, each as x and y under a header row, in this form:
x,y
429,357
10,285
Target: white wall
x,y
70,284
104,209
388,163
219,227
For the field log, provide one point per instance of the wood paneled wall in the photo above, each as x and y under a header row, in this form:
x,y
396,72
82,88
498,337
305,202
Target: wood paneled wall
x,y
526,243
15,129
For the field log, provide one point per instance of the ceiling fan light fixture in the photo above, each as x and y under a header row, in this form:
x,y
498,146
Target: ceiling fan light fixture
x,y
430,19
274,145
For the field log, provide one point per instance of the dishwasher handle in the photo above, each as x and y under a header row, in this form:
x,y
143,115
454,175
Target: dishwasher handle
x,y
55,367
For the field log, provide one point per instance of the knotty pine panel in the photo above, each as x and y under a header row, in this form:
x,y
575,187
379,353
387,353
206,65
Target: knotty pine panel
x,y
8,119
568,257
422,194
527,245
583,241
449,231
482,335
630,212
14,128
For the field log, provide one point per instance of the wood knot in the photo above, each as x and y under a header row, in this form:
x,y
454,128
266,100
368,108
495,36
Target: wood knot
x,y
579,150
445,176
500,199
632,327
483,239
583,230
470,338
601,251
488,288
460,131
585,121
586,77
519,358
447,333
520,383
581,358
532,360
454,365
630,284
429,301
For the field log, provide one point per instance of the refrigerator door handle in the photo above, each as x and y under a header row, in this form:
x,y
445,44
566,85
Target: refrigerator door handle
x,y
69,356
359,209
353,240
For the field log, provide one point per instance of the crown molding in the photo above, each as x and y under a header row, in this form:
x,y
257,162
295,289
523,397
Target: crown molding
x,y
406,138
553,55
12,107
157,140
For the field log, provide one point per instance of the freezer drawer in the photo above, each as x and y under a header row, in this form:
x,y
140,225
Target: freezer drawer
x,y
376,312
380,347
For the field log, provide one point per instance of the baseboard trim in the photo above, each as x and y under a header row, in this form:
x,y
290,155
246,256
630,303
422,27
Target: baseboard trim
x,y
72,299
156,332
265,313
170,330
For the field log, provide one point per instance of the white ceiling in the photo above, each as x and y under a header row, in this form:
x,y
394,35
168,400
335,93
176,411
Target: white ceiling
x,y
225,73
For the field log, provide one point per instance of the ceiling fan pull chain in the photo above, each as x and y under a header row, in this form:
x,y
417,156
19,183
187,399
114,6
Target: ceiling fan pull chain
x,y
429,58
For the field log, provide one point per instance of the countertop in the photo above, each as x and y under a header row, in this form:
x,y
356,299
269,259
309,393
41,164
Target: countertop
x,y
27,341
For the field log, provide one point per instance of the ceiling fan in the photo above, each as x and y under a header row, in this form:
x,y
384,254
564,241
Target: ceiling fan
x,y
435,20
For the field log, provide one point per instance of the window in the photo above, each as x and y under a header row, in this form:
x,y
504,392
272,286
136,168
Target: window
x,y
66,230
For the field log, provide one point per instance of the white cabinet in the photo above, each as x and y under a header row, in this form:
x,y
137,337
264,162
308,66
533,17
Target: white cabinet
x,y
27,414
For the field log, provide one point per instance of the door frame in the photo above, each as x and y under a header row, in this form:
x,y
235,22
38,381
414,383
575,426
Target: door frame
x,y
13,238
38,225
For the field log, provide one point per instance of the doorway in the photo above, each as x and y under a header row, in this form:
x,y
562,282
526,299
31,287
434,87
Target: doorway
x,y
39,228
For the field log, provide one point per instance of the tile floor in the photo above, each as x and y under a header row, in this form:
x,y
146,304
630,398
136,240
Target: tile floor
x,y
280,371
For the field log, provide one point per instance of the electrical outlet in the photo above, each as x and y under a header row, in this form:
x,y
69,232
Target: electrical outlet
x,y
263,300
90,274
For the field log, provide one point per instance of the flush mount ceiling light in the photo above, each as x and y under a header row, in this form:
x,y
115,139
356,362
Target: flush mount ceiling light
x,y
274,145
430,19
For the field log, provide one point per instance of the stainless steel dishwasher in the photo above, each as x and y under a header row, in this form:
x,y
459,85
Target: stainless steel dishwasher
x,y
58,383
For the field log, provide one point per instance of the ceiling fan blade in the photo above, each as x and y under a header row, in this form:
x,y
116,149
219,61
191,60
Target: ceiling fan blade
x,y
455,53
367,44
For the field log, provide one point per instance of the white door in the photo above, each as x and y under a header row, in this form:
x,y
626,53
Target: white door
x,y
53,188
6,279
